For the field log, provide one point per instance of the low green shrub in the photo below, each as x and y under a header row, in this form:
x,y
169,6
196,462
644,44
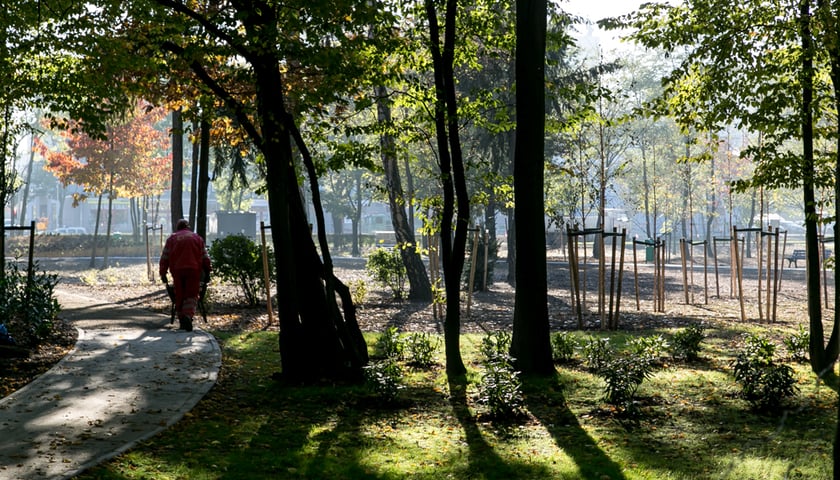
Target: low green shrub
x,y
765,384
652,347
386,267
29,309
495,345
563,345
623,375
501,388
384,378
238,259
421,348
390,344
358,291
798,344
685,344
597,352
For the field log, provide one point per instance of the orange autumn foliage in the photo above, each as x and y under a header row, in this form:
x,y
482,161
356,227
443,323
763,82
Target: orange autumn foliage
x,y
133,160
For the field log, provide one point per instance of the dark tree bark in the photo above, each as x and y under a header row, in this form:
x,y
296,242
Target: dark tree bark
x,y
420,288
318,339
453,238
203,179
511,226
812,275
111,196
831,20
530,345
4,190
92,263
176,205
196,149
26,184
357,216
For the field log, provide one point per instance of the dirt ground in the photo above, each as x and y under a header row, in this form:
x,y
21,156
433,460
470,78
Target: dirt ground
x,y
711,298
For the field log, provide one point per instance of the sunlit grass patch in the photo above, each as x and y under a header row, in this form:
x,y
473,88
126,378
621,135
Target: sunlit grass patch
x,y
692,424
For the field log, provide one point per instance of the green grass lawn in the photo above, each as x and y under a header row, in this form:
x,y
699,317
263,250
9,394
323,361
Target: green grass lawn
x,y
692,425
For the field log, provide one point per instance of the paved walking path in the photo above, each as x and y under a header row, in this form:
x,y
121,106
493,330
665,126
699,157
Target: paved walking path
x,y
130,376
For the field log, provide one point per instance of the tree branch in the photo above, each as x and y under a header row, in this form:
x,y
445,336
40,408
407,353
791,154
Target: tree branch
x,y
212,28
235,106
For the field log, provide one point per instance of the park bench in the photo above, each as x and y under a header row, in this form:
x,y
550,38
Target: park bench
x,y
800,255
795,257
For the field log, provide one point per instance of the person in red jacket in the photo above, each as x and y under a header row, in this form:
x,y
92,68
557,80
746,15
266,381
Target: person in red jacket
x,y
185,256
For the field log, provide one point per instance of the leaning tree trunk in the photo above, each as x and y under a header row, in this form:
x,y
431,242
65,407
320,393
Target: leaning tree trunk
x,y
420,288
316,340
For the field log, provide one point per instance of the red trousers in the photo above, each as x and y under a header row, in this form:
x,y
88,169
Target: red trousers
x,y
187,285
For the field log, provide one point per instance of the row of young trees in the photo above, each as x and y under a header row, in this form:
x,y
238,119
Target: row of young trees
x,y
775,70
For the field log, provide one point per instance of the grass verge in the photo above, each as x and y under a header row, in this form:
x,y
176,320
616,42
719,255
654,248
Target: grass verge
x,y
692,425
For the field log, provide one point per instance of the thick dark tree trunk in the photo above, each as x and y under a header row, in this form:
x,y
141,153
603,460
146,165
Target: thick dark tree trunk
x,y
176,204
530,345
318,340
420,288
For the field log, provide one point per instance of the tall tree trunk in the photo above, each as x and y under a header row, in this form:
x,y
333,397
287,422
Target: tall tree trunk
x,y
511,221
110,219
530,345
830,17
136,218
409,183
812,261
196,150
28,182
176,201
62,192
711,210
317,339
96,231
420,288
646,194
4,186
203,180
357,217
453,237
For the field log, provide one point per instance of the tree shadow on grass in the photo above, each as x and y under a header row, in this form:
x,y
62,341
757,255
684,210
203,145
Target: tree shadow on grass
x,y
484,462
544,399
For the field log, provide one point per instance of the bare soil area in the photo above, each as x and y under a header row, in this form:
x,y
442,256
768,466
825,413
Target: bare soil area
x,y
689,296
711,298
